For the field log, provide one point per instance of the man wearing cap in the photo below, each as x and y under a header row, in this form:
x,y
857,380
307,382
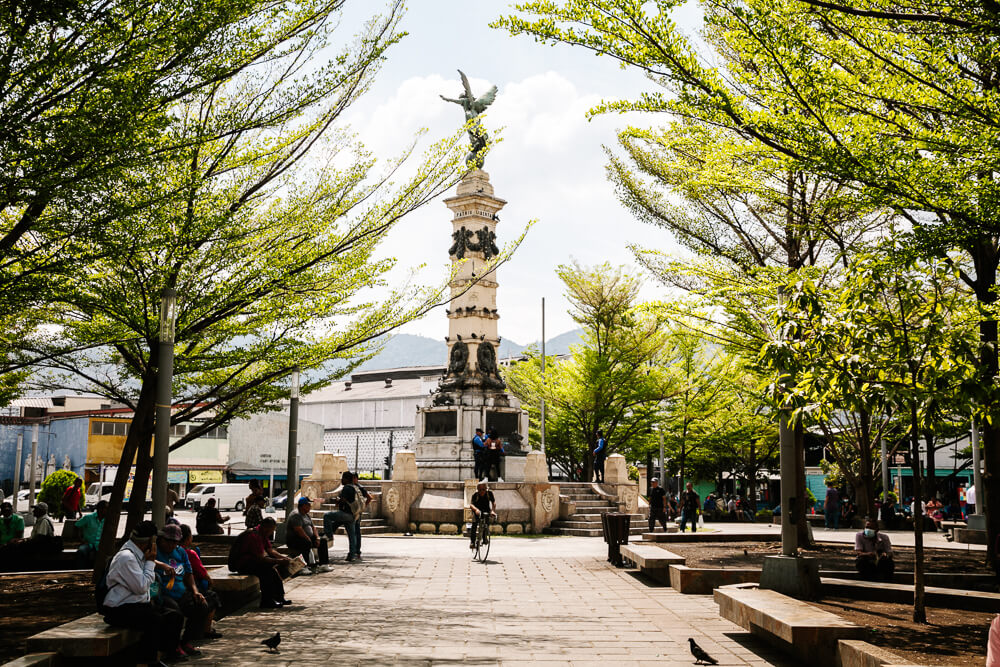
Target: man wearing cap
x,y
178,588
657,505
253,553
127,602
44,541
301,537
479,453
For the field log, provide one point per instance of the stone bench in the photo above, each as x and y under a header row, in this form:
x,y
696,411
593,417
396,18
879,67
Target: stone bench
x,y
34,660
688,537
87,637
934,596
807,632
702,581
652,561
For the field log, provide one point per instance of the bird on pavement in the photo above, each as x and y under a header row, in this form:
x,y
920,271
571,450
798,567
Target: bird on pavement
x,y
700,655
272,642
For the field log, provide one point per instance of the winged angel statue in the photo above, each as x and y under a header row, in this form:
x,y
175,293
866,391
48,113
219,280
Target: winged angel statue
x,y
474,106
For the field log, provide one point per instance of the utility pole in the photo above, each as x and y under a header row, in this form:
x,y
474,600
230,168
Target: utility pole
x,y
663,472
34,466
164,399
17,469
292,474
542,443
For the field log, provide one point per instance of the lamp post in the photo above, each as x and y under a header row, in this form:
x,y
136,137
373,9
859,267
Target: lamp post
x,y
32,477
292,475
977,476
542,441
164,399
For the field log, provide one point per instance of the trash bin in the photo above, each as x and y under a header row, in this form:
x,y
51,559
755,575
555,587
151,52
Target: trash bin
x,y
616,529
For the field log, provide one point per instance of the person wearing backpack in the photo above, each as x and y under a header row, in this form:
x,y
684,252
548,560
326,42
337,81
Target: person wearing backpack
x,y
123,598
342,516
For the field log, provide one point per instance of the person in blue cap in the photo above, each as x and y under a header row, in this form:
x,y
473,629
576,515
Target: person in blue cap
x,y
302,537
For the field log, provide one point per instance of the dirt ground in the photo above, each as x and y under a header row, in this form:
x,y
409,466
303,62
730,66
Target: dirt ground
x,y
831,556
32,604
950,637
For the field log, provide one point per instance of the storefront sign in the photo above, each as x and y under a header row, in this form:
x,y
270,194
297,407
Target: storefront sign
x,y
205,476
177,476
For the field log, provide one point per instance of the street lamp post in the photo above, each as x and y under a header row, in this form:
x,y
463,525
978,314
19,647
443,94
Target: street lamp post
x,y
164,399
293,435
541,445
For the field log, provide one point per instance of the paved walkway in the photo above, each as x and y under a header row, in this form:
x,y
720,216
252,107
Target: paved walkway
x,y
422,601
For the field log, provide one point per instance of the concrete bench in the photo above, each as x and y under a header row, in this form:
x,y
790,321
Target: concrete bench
x,y
807,632
87,637
934,596
702,581
652,561
34,660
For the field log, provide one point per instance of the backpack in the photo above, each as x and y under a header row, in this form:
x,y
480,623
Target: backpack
x,y
238,550
358,504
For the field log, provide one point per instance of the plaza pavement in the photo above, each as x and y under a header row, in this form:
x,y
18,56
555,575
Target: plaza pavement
x,y
537,601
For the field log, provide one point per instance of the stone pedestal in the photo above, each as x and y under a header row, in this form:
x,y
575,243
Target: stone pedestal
x,y
792,576
404,468
326,472
536,469
615,470
976,522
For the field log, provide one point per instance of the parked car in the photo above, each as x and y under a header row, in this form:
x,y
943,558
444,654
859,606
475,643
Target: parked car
x,y
97,492
280,500
227,496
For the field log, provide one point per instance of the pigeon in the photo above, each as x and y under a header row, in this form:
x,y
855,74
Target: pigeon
x,y
746,553
272,643
700,656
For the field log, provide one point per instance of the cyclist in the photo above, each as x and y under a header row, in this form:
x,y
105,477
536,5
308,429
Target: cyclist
x,y
482,501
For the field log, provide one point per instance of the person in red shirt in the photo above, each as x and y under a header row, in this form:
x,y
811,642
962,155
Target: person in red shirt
x,y
252,553
202,580
71,499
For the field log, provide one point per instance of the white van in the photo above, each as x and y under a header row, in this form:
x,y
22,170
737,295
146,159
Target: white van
x,y
97,492
227,496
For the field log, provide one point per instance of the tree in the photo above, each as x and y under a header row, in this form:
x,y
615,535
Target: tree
x,y
274,258
87,90
896,104
899,339
612,382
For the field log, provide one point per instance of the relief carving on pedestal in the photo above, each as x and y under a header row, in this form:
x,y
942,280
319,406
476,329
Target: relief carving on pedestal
x,y
392,499
459,360
629,498
548,500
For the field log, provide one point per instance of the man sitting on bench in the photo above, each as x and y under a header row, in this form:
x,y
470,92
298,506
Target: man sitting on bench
x,y
126,603
253,553
301,538
90,526
874,552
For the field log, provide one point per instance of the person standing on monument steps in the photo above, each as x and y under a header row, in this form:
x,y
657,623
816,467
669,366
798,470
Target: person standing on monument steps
x,y
479,454
494,449
600,453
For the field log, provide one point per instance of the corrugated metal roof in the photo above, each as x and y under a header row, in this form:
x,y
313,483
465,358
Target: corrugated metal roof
x,y
33,402
337,392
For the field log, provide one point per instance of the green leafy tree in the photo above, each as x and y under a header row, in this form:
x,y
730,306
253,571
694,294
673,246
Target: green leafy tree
x,y
53,488
897,104
895,335
273,257
613,380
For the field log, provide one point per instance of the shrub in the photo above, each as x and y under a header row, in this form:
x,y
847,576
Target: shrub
x,y
765,515
53,488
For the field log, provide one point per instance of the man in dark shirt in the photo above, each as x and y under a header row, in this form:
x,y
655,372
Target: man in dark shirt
x,y
301,537
690,502
600,454
483,505
253,553
657,505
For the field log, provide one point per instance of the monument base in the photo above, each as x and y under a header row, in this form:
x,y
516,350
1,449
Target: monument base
x,y
793,576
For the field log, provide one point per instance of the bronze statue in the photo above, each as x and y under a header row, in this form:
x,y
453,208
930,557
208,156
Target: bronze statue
x,y
474,106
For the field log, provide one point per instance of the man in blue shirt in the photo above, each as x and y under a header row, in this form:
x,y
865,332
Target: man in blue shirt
x,y
600,453
479,453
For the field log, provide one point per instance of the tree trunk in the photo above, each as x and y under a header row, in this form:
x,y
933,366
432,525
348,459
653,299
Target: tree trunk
x,y
985,261
919,612
799,515
930,482
866,489
140,482
143,414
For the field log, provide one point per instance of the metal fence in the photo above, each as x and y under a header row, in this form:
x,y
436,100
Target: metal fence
x,y
367,450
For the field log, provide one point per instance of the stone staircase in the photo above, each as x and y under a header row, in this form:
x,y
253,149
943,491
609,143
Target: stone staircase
x,y
369,525
589,508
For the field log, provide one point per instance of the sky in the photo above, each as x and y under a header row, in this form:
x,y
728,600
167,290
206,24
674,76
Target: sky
x,y
549,166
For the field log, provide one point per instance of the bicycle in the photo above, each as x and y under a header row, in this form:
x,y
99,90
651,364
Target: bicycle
x,y
482,542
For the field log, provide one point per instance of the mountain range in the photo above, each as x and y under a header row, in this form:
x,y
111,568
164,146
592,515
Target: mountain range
x,y
404,350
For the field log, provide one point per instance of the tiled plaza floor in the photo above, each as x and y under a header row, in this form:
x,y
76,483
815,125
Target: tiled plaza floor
x,y
422,601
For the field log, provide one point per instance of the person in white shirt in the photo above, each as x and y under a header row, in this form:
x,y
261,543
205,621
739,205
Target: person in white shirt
x,y
127,603
970,500
44,541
